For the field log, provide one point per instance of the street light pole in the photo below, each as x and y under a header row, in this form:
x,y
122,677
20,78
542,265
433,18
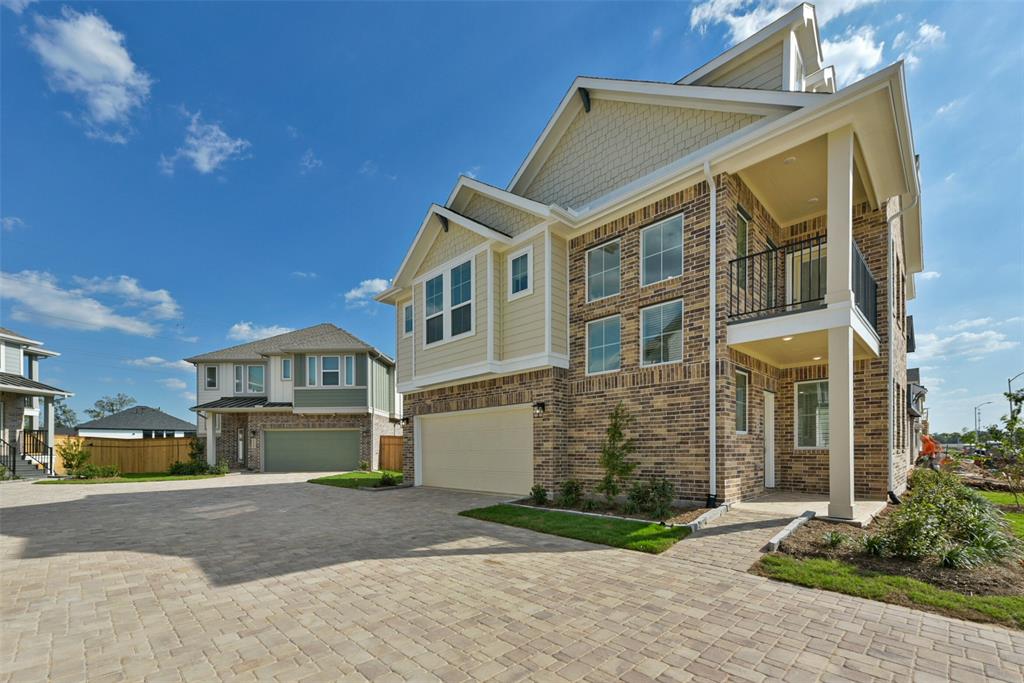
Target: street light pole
x,y
1009,390
977,419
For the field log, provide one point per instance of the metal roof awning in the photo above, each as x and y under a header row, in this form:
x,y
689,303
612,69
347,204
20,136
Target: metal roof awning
x,y
16,384
241,403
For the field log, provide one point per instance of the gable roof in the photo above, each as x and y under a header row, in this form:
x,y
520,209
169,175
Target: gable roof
x,y
322,337
140,417
7,333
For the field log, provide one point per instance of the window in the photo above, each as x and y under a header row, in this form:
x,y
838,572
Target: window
x,y
433,292
742,390
330,371
519,272
255,383
661,333
311,363
211,376
239,386
603,345
662,251
812,414
286,369
603,271
462,295
407,320
742,235
350,370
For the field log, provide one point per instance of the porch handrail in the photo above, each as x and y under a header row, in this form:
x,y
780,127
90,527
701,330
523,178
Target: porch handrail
x,y
9,456
35,446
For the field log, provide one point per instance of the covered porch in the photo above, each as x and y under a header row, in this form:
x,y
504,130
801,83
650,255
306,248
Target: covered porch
x,y
27,425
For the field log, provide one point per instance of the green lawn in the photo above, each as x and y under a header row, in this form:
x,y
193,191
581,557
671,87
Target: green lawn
x,y
354,480
618,533
833,575
1015,519
132,478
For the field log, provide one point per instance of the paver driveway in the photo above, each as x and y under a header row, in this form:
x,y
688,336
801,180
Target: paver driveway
x,y
264,577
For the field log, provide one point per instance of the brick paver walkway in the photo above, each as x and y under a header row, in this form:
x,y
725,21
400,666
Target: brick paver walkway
x,y
263,577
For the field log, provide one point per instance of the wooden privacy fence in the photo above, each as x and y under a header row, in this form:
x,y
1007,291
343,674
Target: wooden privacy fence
x,y
391,453
130,455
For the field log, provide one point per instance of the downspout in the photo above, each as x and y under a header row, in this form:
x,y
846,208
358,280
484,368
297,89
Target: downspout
x,y
891,483
713,343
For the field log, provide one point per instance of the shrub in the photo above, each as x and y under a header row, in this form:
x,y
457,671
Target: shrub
x,y
5,474
387,479
659,505
539,494
570,493
638,499
188,468
873,544
589,505
219,468
90,471
73,455
364,465
834,539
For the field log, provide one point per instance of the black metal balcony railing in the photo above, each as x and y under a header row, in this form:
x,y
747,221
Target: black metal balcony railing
x,y
9,457
34,445
792,278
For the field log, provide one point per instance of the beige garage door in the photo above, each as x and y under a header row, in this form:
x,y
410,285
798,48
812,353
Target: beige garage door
x,y
481,450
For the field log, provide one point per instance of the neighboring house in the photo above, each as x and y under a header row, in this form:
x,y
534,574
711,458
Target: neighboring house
x,y
316,399
137,422
917,414
750,197
27,420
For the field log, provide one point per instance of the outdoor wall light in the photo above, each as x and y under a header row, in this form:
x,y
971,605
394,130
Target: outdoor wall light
x,y
538,408
404,421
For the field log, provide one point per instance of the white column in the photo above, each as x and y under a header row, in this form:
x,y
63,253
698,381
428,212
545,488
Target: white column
x,y
839,288
211,439
840,422
50,416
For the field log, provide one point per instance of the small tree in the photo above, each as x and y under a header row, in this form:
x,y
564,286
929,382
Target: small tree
x,y
614,453
63,414
1010,465
73,455
109,405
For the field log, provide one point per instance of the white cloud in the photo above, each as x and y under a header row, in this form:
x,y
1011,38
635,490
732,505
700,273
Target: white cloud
x,y
744,18
246,331
11,223
854,54
371,169
16,6
83,55
926,36
967,324
39,296
158,303
360,296
472,172
173,383
950,107
657,34
292,131
929,275
962,344
207,146
158,362
309,162
304,275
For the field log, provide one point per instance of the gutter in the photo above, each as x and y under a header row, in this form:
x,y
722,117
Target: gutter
x,y
713,344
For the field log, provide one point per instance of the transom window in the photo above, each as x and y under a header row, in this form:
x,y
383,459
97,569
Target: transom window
x,y
449,310
330,371
211,375
604,345
254,379
742,398
812,414
662,251
286,369
661,332
407,320
603,274
519,273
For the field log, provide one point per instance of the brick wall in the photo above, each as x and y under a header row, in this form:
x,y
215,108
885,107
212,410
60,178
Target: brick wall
x,y
14,416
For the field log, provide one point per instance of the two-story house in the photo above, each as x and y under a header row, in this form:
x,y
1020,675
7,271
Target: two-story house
x,y
730,255
27,419
316,399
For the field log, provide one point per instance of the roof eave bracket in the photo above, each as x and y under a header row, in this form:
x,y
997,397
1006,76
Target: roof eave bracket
x,y
585,96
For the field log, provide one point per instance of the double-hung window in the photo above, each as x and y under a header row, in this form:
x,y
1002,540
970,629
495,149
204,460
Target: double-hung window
x,y
211,375
254,377
433,291
448,303
812,414
406,320
603,345
286,369
350,370
311,371
330,371
239,376
661,251
603,271
520,282
661,333
742,399
462,298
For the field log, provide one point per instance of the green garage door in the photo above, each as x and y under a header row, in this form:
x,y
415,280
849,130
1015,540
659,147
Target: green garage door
x,y
311,450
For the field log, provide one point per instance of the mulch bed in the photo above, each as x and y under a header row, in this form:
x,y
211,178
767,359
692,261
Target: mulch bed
x,y
993,579
680,515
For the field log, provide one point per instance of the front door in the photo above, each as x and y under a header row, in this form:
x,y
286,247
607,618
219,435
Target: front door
x,y
769,440
241,446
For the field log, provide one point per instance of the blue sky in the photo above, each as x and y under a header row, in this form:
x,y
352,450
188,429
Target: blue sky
x,y
178,177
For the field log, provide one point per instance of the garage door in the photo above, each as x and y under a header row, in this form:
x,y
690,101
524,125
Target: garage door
x,y
311,450
485,450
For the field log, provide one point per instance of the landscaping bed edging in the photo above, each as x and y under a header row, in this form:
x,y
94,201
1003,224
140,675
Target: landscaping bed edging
x,y
693,525
778,538
382,488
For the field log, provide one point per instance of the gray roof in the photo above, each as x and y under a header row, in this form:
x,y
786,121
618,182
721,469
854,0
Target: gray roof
x,y
322,337
18,382
140,417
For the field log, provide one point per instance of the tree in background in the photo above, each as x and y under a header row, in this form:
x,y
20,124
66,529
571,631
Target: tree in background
x,y
108,405
64,415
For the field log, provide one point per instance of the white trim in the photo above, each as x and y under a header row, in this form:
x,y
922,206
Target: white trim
x,y
360,410
290,360
526,251
586,270
412,319
547,291
445,272
491,295
312,378
769,444
518,364
206,377
586,346
499,195
238,375
746,401
796,416
682,249
248,381
815,320
417,452
682,345
3,362
350,381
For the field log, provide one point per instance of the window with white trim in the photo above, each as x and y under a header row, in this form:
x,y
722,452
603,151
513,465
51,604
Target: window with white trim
x,y
211,376
661,251
604,339
255,379
742,400
330,371
812,414
433,292
239,383
448,303
661,333
462,298
407,320
286,369
603,271
350,370
311,371
520,273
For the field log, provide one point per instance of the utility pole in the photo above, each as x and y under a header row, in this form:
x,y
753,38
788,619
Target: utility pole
x,y
1009,390
977,419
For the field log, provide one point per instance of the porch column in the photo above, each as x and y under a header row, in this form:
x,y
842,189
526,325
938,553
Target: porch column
x,y
839,217
50,415
211,439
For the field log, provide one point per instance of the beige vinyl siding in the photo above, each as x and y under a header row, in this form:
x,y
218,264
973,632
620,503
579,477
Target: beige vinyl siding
x,y
559,297
461,352
763,72
447,246
404,344
503,217
522,320
619,142
352,397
